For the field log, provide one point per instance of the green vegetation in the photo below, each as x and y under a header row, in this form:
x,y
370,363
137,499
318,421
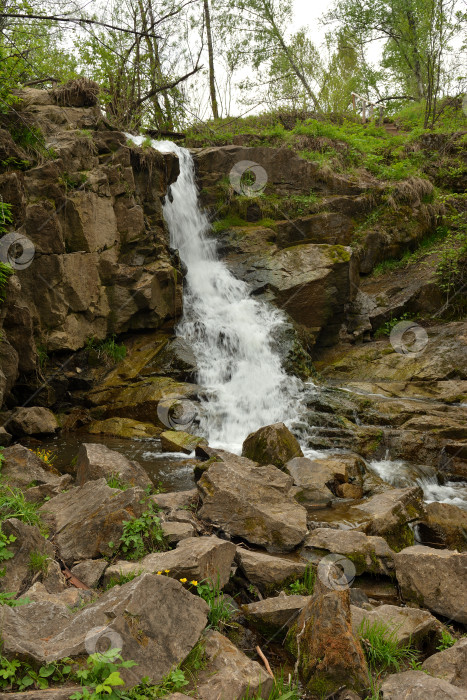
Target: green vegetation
x,y
305,585
108,348
447,641
5,273
38,562
386,328
16,675
142,535
10,600
381,647
122,579
220,610
116,482
101,677
285,688
13,504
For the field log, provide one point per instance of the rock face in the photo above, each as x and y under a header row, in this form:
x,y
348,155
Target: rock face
x,y
98,461
29,541
153,619
86,519
33,421
329,655
450,664
367,553
200,558
435,579
94,214
229,673
391,512
273,444
417,685
252,502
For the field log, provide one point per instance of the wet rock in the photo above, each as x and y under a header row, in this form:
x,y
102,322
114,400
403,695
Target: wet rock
x,y
408,625
417,685
153,619
450,664
434,578
273,615
453,461
124,428
329,655
229,673
266,571
97,461
28,546
177,360
86,519
33,421
197,558
179,441
367,553
23,469
272,444
445,525
90,571
391,512
252,502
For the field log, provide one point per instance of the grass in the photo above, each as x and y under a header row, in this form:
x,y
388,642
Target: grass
x,y
285,688
382,649
5,273
220,609
386,328
108,348
13,504
38,562
305,585
116,482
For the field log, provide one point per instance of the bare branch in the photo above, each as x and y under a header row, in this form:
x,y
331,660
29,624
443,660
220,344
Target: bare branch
x,y
77,20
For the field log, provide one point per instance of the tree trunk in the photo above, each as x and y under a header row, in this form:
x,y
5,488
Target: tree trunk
x,y
212,79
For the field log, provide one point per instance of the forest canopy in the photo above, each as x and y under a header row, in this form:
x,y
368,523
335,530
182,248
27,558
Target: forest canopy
x,y
166,64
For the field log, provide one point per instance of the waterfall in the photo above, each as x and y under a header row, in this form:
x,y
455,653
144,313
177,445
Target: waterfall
x,y
230,332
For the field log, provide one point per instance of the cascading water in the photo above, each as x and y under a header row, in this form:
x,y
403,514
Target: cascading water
x,y
230,332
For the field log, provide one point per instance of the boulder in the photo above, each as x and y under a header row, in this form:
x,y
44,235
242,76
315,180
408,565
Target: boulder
x,y
87,518
71,598
408,625
252,502
229,673
175,500
416,685
273,444
34,420
311,483
275,615
97,461
368,553
434,578
390,514
445,525
329,655
266,571
153,619
450,664
23,469
89,571
175,532
179,441
199,559
124,428
320,480
28,545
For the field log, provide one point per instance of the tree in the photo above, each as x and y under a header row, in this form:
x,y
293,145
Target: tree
x,y
212,78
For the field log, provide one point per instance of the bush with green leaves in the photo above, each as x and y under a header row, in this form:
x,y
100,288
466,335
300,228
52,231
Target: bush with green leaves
x,y
142,535
101,677
19,676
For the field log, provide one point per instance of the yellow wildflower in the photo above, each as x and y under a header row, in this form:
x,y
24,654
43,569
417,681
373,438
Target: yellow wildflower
x,y
194,583
183,580
167,571
159,573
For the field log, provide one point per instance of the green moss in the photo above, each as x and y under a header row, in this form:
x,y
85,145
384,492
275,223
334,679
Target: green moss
x,y
338,254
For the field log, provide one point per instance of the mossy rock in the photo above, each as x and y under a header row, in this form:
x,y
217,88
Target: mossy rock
x,y
273,444
180,441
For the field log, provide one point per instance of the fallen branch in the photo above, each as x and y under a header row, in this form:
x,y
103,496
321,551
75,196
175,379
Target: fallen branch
x,y
265,661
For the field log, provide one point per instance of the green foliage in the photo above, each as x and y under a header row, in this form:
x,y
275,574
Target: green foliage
x,y
5,273
173,682
122,579
13,504
447,641
19,676
220,610
38,562
142,535
381,646
6,216
386,328
13,602
285,688
42,356
108,348
228,222
101,677
116,482
305,585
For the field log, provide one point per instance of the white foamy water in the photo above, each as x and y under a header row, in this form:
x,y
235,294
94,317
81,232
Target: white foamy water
x,y
230,332
399,473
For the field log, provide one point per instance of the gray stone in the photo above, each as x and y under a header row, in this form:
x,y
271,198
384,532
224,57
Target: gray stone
x,y
272,444
96,461
450,664
367,553
29,542
416,685
23,469
90,571
268,571
275,614
176,532
34,420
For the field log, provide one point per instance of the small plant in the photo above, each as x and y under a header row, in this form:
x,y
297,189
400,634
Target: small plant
x,y
42,358
108,348
122,579
10,600
143,535
5,273
382,648
304,586
101,677
446,641
46,456
220,610
17,675
386,328
116,482
173,682
5,554
38,562
13,504
6,216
